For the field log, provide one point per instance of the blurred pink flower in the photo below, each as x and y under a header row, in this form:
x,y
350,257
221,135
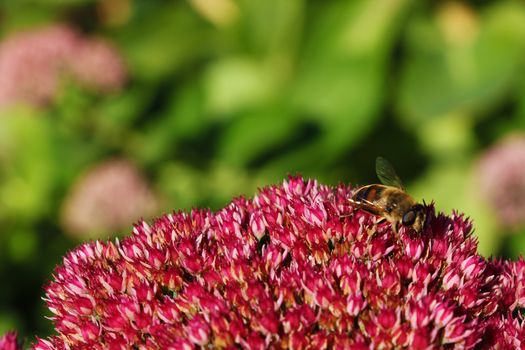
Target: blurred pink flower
x,y
296,267
501,172
98,65
107,198
32,64
9,342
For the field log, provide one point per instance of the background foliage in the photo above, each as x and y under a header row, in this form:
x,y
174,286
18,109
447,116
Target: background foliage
x,y
224,96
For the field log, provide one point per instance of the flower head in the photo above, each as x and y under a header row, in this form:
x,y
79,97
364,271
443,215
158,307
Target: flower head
x,y
295,267
502,180
98,65
107,198
32,64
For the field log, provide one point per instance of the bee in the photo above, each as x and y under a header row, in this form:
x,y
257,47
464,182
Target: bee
x,y
390,199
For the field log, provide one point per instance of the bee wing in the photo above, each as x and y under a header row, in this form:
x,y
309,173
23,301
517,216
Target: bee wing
x,y
386,173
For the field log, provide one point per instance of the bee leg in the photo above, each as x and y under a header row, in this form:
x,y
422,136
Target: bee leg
x,y
381,220
347,215
354,209
395,227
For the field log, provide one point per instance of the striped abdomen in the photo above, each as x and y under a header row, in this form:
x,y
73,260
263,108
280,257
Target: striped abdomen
x,y
370,193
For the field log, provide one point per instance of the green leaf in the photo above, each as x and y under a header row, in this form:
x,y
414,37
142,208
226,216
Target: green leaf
x,y
278,36
341,79
442,78
22,245
28,167
185,115
163,39
114,115
516,244
449,137
254,134
233,83
181,185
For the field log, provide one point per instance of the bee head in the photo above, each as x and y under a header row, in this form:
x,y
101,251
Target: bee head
x,y
415,217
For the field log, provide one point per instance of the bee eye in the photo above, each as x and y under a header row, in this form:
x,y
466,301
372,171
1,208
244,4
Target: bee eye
x,y
408,218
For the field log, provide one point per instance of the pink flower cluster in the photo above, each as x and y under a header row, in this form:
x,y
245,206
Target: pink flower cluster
x,y
296,267
32,64
9,342
106,199
501,173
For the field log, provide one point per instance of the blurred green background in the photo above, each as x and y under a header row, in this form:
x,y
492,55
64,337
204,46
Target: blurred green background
x,y
211,99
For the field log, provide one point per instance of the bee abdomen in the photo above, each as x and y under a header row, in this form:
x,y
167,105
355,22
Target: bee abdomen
x,y
368,193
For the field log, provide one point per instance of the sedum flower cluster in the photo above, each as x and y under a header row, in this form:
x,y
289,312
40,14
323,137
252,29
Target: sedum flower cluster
x,y
33,62
296,267
501,175
107,198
